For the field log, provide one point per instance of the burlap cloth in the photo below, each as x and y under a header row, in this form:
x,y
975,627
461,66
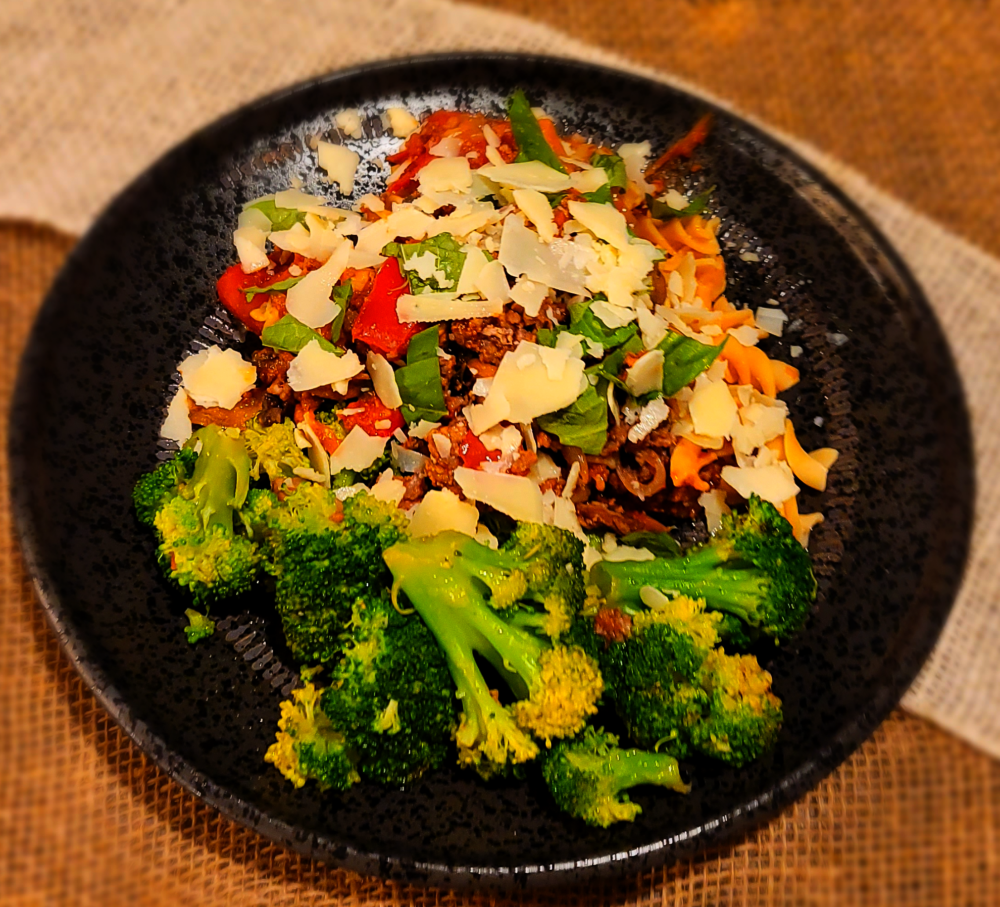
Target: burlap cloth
x,y
903,92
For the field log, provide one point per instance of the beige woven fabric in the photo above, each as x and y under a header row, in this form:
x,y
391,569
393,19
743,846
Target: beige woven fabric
x,y
95,90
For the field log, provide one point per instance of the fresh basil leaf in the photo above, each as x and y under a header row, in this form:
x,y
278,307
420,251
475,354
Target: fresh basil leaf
x,y
419,381
280,218
614,166
684,360
555,198
448,261
342,296
292,335
662,210
583,424
531,142
423,346
583,321
546,337
612,364
662,544
272,287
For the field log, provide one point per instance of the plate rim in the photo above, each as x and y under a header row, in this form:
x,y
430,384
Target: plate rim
x,y
743,817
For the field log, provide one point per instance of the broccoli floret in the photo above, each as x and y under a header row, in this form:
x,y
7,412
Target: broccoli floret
x,y
155,488
752,568
744,716
678,692
324,555
538,565
391,694
307,745
588,777
274,452
200,626
556,686
199,548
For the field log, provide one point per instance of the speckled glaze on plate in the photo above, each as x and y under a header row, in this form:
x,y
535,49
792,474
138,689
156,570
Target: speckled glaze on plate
x,y
138,293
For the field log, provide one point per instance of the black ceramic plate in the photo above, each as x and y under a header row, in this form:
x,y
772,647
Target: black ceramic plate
x,y
138,291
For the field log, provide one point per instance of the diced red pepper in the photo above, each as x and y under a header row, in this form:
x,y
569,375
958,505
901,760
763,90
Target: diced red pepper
x,y
377,323
473,452
233,282
375,418
328,437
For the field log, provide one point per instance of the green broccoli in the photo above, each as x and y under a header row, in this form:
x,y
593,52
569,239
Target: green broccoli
x,y
192,504
200,626
391,694
752,567
307,745
274,452
588,777
536,566
324,555
677,691
556,686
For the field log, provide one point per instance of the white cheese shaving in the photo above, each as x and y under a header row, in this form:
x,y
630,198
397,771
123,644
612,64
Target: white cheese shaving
x,y
340,164
316,367
529,295
384,380
443,511
652,414
516,496
522,253
401,122
628,553
298,200
713,502
491,282
309,300
349,122
357,451
250,239
531,380
537,209
408,461
527,175
449,146
422,429
177,425
604,221
444,307
388,488
713,410
771,320
474,262
635,156
445,174
774,483
217,377
646,374
589,180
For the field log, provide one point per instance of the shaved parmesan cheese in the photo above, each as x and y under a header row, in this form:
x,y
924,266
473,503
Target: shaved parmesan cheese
x,y
532,380
652,326
349,123
475,261
446,174
589,180
408,461
628,553
572,342
614,316
713,410
646,375
340,164
309,300
298,200
745,334
604,221
443,511
423,428
522,253
318,457
774,483
529,295
675,200
357,451
371,202
250,239
492,283
384,380
217,377
449,146
714,504
635,156
561,512
316,367
444,307
177,425
771,320
401,122
537,209
388,488
527,175
516,496
492,139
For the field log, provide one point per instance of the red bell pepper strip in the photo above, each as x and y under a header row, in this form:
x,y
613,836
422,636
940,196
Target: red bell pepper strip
x,y
473,452
373,412
377,324
233,282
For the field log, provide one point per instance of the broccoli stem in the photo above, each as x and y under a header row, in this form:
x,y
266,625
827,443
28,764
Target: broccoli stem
x,y
704,573
221,477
